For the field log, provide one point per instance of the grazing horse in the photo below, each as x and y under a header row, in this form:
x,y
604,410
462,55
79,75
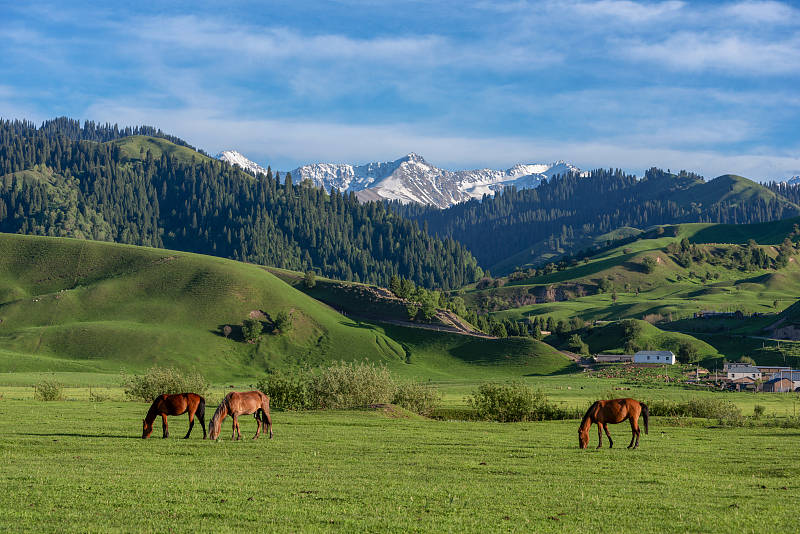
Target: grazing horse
x,y
177,404
612,411
236,404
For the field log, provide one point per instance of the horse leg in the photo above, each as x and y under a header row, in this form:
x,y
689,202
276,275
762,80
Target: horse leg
x,y
202,424
267,422
258,424
599,434
610,442
191,424
233,427
638,433
633,432
166,428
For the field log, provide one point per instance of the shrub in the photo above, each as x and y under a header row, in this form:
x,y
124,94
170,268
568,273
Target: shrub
x,y
283,322
251,330
309,280
707,408
758,411
348,385
649,264
160,380
287,392
417,397
49,390
508,402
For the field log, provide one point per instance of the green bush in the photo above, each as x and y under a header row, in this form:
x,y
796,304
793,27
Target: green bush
x,y
283,322
348,385
417,397
345,385
707,408
513,401
758,411
49,390
287,392
251,330
160,380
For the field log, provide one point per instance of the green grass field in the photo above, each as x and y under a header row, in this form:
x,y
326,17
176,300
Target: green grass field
x,y
81,467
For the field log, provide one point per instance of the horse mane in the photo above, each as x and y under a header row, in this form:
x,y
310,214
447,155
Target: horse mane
x,y
223,406
153,412
588,412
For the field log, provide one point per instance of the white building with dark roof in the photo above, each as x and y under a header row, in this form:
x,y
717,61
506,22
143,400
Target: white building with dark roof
x,y
654,356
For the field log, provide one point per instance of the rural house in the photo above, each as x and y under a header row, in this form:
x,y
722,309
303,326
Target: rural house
x,y
743,370
654,356
769,371
778,385
793,375
613,358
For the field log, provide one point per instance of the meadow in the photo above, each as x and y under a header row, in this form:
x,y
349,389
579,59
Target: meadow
x,y
78,466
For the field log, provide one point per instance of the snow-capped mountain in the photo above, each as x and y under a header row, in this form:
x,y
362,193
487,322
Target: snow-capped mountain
x,y
235,158
794,180
412,179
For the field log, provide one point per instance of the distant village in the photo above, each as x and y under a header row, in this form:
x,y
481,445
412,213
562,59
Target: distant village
x,y
734,376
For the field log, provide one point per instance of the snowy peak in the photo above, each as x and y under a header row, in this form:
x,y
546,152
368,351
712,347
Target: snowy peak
x,y
794,180
235,158
412,179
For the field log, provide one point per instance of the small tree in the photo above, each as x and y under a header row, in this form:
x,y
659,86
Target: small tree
x,y
649,264
283,322
251,330
576,344
309,280
688,353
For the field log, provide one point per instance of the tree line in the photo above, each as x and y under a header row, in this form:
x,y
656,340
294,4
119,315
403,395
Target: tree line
x,y
65,179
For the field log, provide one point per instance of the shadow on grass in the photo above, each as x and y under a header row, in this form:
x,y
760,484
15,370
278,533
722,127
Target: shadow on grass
x,y
78,435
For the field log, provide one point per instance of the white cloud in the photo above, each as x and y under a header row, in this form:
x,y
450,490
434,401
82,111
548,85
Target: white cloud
x,y
762,12
706,51
285,144
628,11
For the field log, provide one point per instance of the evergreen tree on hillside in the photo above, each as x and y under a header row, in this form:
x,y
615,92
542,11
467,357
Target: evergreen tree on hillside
x,y
64,179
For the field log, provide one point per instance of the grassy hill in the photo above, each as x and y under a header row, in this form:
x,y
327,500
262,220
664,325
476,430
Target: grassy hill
x,y
135,147
81,306
672,288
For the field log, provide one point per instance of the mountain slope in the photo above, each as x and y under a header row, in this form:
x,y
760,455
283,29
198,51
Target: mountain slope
x,y
150,191
235,158
412,179
76,305
526,228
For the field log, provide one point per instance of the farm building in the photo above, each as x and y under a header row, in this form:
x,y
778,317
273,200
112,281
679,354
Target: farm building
x,y
778,385
613,358
743,382
793,375
769,371
654,356
743,370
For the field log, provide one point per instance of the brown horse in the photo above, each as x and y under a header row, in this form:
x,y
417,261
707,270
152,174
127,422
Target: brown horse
x,y
236,404
177,404
613,411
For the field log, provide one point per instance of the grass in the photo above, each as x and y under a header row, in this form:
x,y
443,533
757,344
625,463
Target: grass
x,y
74,306
362,471
135,147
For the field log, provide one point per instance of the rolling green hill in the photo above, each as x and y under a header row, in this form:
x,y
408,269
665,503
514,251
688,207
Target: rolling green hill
x,y
680,285
136,147
81,306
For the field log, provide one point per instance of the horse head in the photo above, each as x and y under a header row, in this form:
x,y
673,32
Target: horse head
x,y
147,429
583,437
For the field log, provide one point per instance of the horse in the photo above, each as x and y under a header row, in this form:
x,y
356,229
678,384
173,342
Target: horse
x,y
177,404
236,404
613,411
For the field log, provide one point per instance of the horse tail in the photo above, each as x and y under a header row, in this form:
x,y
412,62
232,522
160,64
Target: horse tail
x,y
645,415
201,408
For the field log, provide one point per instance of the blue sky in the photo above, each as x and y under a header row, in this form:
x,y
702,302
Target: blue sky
x,y
709,87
